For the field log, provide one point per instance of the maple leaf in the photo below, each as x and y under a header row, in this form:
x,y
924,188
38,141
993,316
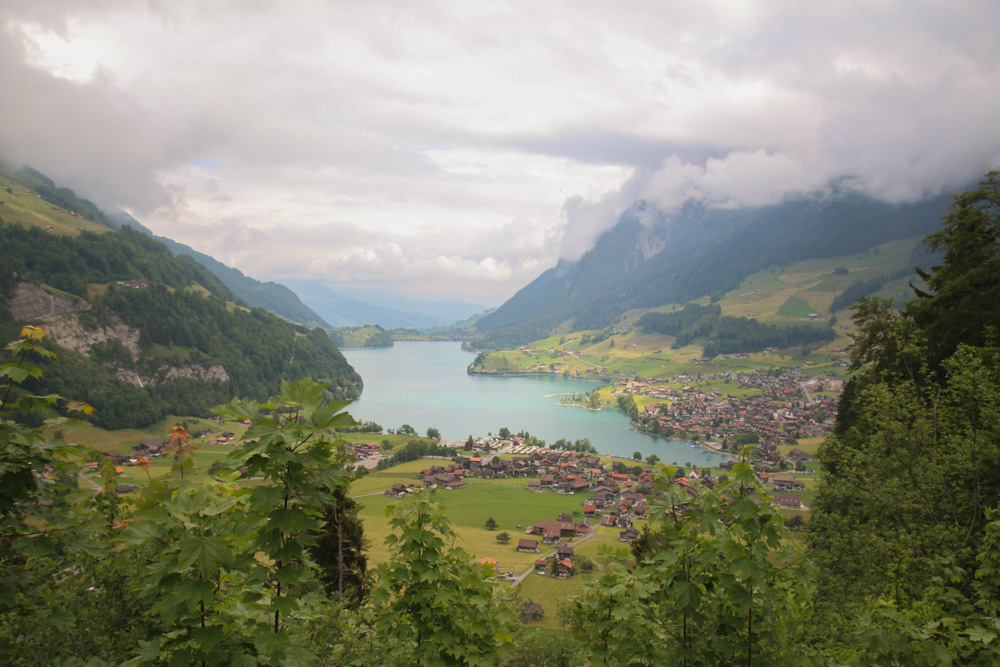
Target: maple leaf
x,y
178,434
33,333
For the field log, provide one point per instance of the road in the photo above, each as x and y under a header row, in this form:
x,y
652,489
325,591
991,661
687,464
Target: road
x,y
98,488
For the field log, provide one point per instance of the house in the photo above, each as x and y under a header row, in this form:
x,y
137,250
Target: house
x,y
532,611
788,500
800,455
564,552
582,528
541,564
604,495
787,483
150,447
564,568
608,520
628,535
553,530
534,485
397,491
527,546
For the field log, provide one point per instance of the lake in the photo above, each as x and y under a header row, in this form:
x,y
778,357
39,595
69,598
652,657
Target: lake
x,y
425,384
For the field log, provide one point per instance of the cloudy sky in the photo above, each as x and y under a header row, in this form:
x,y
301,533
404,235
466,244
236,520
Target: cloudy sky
x,y
459,149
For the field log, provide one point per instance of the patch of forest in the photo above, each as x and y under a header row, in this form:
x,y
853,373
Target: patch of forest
x,y
729,335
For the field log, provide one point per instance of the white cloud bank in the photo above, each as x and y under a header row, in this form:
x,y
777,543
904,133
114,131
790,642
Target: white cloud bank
x,y
459,149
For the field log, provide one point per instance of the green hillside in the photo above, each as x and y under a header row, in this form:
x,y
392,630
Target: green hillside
x,y
367,336
651,259
782,296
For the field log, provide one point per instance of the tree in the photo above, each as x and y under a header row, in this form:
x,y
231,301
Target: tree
x,y
406,429
652,459
920,417
339,551
503,538
937,469
491,524
504,433
959,305
445,607
469,444
226,560
433,433
594,400
627,405
46,541
637,455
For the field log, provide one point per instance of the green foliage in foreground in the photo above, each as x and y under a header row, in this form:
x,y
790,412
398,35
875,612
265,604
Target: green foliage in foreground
x,y
726,589
904,517
220,572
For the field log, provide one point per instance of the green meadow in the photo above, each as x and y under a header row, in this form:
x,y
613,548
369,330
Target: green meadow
x,y
23,207
507,501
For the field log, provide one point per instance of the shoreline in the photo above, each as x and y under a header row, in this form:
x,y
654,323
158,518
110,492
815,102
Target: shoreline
x,y
580,405
470,371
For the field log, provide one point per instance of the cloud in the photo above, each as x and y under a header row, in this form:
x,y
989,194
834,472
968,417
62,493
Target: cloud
x,y
742,178
460,149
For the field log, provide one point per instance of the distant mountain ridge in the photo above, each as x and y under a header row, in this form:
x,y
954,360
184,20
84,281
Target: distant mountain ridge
x,y
344,311
651,259
271,296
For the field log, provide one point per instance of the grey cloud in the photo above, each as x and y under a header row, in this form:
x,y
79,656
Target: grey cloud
x,y
324,119
86,136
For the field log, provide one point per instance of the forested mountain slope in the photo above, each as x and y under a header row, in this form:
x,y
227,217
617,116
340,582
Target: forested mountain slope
x,y
651,259
143,333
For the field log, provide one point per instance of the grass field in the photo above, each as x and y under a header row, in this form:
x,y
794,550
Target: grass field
x,y
551,592
795,307
507,501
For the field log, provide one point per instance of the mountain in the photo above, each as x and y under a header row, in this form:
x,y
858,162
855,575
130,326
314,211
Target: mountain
x,y
651,258
395,312
449,311
139,332
271,296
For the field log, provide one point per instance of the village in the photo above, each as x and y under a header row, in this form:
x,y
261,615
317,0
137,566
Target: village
x,y
614,494
783,408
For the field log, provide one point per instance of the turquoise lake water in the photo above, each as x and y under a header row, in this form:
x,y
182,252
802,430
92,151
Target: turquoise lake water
x,y
426,384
